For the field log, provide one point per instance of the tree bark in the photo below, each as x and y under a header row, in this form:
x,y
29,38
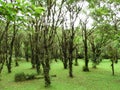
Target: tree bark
x,y
76,58
2,62
65,63
86,69
46,67
6,48
71,49
11,48
32,51
70,66
64,49
26,54
112,65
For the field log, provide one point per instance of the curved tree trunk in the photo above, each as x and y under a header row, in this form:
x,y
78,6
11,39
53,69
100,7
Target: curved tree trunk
x,y
11,48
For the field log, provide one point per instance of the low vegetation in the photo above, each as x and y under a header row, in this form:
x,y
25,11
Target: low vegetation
x,y
97,79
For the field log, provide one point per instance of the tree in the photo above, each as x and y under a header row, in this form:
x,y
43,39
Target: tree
x,y
9,11
106,20
85,42
70,12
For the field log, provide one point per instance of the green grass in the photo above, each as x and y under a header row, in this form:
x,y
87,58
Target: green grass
x,y
97,79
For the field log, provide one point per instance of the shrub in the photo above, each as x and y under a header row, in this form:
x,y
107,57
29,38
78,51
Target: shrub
x,y
30,76
20,77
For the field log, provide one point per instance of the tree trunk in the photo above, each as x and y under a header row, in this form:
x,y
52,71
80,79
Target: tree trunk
x,y
56,55
76,62
70,66
2,62
65,59
16,62
37,59
112,65
65,63
32,52
38,67
16,56
26,54
32,59
93,55
86,69
11,48
8,63
46,74
71,53
76,58
46,69
46,61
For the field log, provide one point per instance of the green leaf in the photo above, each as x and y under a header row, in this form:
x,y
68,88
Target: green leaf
x,y
39,10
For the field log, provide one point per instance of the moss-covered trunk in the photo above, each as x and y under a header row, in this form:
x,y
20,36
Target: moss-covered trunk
x,y
46,61
11,48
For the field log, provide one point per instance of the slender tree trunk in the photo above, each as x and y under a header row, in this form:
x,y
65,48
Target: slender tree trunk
x,y
1,67
65,63
26,54
71,53
17,50
32,59
65,59
36,48
76,62
32,52
37,60
38,67
93,54
86,52
11,48
56,55
70,66
4,32
6,49
76,58
64,50
16,62
2,62
16,56
9,62
94,60
112,65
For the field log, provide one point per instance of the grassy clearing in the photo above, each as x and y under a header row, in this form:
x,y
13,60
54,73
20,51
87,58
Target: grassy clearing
x,y
97,79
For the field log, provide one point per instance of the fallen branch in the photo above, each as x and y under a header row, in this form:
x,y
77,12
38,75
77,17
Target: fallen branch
x,y
42,77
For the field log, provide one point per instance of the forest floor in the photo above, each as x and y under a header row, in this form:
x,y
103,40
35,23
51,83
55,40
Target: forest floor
x,y
97,79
